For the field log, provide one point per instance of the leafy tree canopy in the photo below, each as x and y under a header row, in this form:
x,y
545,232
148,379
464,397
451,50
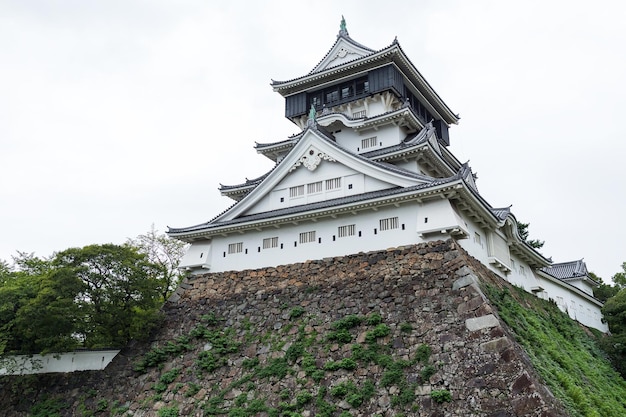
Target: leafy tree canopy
x,y
96,296
522,229
164,252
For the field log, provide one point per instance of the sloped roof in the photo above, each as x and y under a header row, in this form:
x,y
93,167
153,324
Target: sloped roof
x,y
568,270
328,137
342,36
501,213
371,58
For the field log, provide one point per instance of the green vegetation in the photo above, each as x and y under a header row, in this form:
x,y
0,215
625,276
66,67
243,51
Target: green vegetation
x,y
49,407
96,296
441,396
297,358
168,412
567,357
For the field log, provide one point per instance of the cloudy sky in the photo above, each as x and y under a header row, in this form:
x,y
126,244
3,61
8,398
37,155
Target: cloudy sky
x,y
116,115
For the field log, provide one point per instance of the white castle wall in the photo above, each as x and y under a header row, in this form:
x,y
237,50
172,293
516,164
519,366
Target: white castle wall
x,y
59,362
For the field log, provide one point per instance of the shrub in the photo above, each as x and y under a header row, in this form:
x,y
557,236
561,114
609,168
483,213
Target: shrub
x,y
277,367
427,372
296,312
374,319
168,412
381,330
406,328
347,322
341,336
346,363
303,398
207,361
441,396
423,353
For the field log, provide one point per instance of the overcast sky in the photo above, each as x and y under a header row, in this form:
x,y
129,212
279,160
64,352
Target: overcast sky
x,y
115,115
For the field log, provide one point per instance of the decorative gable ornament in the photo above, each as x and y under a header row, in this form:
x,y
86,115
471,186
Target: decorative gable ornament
x,y
311,159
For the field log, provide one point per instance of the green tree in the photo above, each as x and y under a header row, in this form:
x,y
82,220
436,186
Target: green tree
x,y
121,293
620,278
614,312
165,252
522,230
47,320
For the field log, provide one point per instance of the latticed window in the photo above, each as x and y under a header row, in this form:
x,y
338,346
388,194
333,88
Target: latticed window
x,y
270,242
347,230
369,142
388,224
333,183
235,247
314,187
297,191
358,114
307,237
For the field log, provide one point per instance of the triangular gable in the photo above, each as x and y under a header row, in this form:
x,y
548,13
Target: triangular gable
x,y
312,150
344,50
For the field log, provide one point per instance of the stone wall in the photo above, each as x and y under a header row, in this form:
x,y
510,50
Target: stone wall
x,y
428,297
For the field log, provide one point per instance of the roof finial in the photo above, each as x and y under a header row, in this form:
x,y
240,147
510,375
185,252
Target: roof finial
x,y
343,30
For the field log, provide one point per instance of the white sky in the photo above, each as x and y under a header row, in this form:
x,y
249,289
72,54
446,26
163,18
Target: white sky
x,y
115,115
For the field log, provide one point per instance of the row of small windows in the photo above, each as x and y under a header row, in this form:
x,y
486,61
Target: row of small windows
x,y
314,187
339,93
311,236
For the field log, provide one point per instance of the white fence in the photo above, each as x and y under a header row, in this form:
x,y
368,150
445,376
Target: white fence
x,y
92,360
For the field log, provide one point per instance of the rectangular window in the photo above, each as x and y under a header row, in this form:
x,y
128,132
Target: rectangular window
x,y
348,230
358,114
477,239
522,270
270,242
333,183
314,187
235,247
297,191
307,237
388,224
369,142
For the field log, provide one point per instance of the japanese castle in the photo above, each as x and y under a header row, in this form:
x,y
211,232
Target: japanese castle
x,y
369,170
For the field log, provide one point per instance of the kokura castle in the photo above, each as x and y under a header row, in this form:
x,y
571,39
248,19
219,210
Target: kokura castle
x,y
369,170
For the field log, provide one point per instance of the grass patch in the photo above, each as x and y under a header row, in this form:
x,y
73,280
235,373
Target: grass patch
x,y
566,357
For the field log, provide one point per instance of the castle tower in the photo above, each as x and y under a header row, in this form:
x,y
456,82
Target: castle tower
x,y
369,170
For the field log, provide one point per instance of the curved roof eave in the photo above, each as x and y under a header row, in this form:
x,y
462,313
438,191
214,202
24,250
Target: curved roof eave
x,y
392,53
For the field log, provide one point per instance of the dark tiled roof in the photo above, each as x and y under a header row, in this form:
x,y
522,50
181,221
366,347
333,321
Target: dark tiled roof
x,y
373,52
346,37
501,213
255,181
567,270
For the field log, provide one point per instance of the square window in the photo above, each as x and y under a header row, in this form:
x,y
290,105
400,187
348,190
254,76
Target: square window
x,y
270,242
297,191
307,237
235,247
345,231
388,224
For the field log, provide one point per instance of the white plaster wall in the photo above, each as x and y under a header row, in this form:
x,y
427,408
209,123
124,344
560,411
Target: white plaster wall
x,y
386,136
365,222
352,183
62,362
577,306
